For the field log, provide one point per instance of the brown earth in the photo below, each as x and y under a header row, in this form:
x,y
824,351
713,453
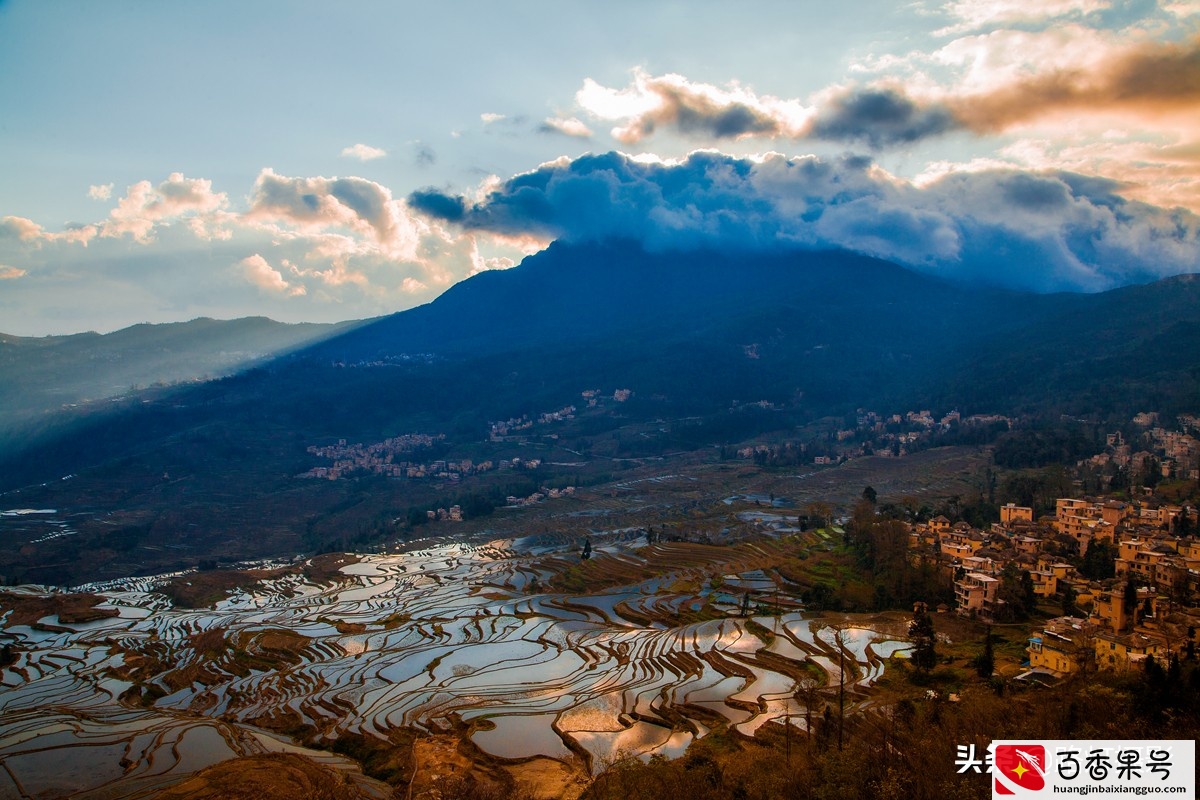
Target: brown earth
x,y
548,779
203,589
70,608
274,776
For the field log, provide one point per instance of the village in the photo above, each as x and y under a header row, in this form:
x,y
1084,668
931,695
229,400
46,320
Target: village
x,y
1124,570
388,458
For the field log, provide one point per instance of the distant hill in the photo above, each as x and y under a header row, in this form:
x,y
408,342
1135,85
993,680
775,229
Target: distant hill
x,y
42,375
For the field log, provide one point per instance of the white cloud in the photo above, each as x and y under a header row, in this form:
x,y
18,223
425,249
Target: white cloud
x,y
20,228
1182,8
697,109
26,230
976,14
489,117
321,205
569,126
8,273
259,272
146,206
1046,231
100,192
363,152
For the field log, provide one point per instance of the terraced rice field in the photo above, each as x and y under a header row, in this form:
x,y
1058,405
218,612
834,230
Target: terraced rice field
x,y
445,639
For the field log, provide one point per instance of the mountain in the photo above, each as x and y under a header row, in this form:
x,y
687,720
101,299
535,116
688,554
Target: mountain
x,y
717,349
42,375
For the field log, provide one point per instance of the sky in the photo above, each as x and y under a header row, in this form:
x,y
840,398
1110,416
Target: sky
x,y
316,161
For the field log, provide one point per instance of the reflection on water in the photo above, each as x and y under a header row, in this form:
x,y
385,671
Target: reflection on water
x,y
413,639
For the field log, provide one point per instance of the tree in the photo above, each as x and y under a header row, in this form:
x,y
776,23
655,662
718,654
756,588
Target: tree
x,y
1129,599
819,512
1099,560
985,662
924,639
1068,602
1183,523
1015,590
870,495
1027,592
587,550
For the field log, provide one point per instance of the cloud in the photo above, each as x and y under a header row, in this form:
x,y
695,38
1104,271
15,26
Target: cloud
x,y
694,109
26,230
8,273
1154,170
489,117
260,273
363,152
101,192
1008,78
138,214
975,14
20,228
1042,231
322,205
438,204
424,155
568,126
1182,8
1149,79
880,117
145,206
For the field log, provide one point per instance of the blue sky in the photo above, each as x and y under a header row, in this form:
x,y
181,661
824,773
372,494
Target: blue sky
x,y
319,161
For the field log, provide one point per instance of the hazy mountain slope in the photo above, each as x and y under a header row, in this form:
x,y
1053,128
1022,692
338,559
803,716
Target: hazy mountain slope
x,y
693,332
1105,354
39,375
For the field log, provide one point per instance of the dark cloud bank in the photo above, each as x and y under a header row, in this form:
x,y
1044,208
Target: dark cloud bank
x,y
1039,231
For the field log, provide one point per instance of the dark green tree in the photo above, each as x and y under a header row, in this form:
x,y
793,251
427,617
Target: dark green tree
x,y
1015,594
1129,599
985,662
1027,592
1183,523
1068,602
1099,560
924,638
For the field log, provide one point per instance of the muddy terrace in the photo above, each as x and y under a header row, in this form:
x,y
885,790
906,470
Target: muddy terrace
x,y
480,646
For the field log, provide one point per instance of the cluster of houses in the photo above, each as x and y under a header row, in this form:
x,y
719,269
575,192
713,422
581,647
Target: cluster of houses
x,y
379,458
1143,610
505,429
387,458
595,397
498,431
1170,453
888,436
451,514
545,494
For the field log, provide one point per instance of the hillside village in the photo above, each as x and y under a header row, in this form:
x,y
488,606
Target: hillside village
x,y
1133,594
